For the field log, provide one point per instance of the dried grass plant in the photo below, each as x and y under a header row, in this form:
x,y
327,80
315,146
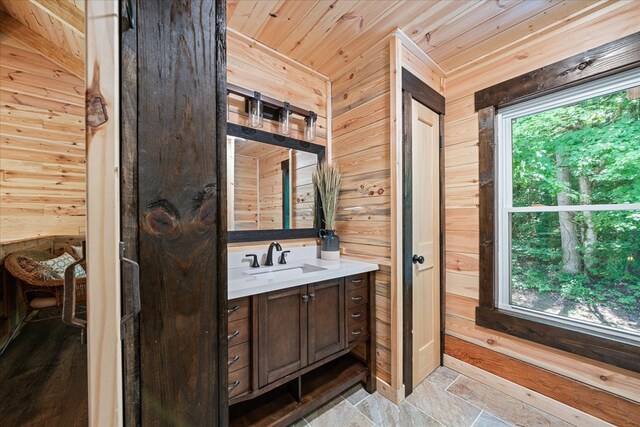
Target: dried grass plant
x,y
327,180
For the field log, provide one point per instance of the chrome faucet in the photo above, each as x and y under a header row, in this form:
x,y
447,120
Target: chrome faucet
x,y
269,261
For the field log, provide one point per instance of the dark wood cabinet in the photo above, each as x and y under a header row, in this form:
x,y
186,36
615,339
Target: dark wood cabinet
x,y
282,333
306,344
326,321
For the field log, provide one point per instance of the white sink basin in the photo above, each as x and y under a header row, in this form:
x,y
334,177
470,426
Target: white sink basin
x,y
285,271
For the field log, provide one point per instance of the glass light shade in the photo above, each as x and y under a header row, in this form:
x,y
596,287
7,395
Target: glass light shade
x,y
284,124
255,112
310,128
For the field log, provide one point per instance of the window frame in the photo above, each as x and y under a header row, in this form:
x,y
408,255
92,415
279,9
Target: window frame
x,y
610,59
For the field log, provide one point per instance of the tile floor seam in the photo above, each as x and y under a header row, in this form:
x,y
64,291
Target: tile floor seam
x,y
421,411
467,401
477,418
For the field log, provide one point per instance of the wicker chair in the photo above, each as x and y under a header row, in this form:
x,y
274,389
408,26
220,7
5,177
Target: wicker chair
x,y
39,293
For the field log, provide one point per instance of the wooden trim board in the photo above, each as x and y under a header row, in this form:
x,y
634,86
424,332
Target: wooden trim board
x,y
103,214
583,397
533,398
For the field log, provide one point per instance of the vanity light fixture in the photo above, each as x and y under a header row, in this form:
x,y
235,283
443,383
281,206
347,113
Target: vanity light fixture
x,y
284,123
310,128
256,119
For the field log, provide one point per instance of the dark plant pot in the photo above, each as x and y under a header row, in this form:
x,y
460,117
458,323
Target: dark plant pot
x,y
330,245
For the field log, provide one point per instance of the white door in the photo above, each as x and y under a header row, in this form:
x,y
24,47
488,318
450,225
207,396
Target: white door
x,y
426,231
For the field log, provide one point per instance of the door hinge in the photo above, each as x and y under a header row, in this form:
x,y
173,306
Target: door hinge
x,y
135,289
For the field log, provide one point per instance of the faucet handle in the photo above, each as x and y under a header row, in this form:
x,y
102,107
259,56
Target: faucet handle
x,y
283,259
254,263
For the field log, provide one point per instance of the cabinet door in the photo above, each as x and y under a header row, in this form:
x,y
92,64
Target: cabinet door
x,y
282,333
326,319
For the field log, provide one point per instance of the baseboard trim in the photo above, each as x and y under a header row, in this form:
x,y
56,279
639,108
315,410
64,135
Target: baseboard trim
x,y
535,399
396,396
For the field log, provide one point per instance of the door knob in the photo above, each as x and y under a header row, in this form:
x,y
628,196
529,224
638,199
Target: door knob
x,y
417,259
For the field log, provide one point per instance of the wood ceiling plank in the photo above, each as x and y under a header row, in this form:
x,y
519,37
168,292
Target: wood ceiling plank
x,y
332,62
349,26
283,20
442,13
49,50
465,21
300,44
231,9
521,31
249,16
64,11
309,20
489,28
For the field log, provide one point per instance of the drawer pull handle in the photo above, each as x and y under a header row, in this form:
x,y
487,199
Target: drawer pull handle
x,y
356,332
356,298
233,335
234,385
234,360
233,309
356,315
355,282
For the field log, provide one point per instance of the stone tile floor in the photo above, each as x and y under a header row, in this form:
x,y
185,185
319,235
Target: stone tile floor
x,y
445,398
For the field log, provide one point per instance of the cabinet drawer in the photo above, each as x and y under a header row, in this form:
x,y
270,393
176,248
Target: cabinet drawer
x,y
357,331
238,357
357,314
238,331
238,382
356,282
238,309
357,297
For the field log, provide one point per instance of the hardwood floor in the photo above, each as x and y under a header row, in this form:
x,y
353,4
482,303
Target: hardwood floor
x,y
43,376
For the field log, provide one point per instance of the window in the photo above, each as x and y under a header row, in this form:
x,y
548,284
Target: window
x,y
559,152
568,217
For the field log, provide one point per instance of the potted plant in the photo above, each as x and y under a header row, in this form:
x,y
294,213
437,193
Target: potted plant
x,y
326,181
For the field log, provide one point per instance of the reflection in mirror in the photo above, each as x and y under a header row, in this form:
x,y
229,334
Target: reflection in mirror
x,y
269,186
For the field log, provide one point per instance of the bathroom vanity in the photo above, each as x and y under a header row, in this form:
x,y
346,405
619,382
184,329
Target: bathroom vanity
x,y
299,334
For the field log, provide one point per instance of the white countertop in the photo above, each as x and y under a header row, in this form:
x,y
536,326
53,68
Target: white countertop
x,y
245,281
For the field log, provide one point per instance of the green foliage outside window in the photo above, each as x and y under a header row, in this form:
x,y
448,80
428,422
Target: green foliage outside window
x,y
582,154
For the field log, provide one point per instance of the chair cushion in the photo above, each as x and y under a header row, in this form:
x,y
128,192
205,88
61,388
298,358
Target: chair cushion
x,y
60,264
38,270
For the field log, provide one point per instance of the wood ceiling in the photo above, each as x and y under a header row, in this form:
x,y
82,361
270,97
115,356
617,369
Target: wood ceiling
x,y
54,28
326,34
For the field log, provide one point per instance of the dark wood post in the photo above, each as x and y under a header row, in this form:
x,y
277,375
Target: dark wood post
x,y
181,130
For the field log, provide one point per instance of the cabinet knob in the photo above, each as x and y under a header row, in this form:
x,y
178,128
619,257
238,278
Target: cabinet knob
x,y
234,360
417,259
234,385
312,296
305,298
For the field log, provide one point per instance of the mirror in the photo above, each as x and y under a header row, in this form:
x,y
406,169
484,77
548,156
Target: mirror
x,y
270,193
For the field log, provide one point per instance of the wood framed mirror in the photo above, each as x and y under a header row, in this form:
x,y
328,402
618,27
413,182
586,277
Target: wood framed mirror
x,y
269,185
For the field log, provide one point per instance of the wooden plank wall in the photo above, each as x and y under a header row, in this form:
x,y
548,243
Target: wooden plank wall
x,y
245,206
270,190
42,162
302,167
363,145
461,177
259,68
360,107
255,66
